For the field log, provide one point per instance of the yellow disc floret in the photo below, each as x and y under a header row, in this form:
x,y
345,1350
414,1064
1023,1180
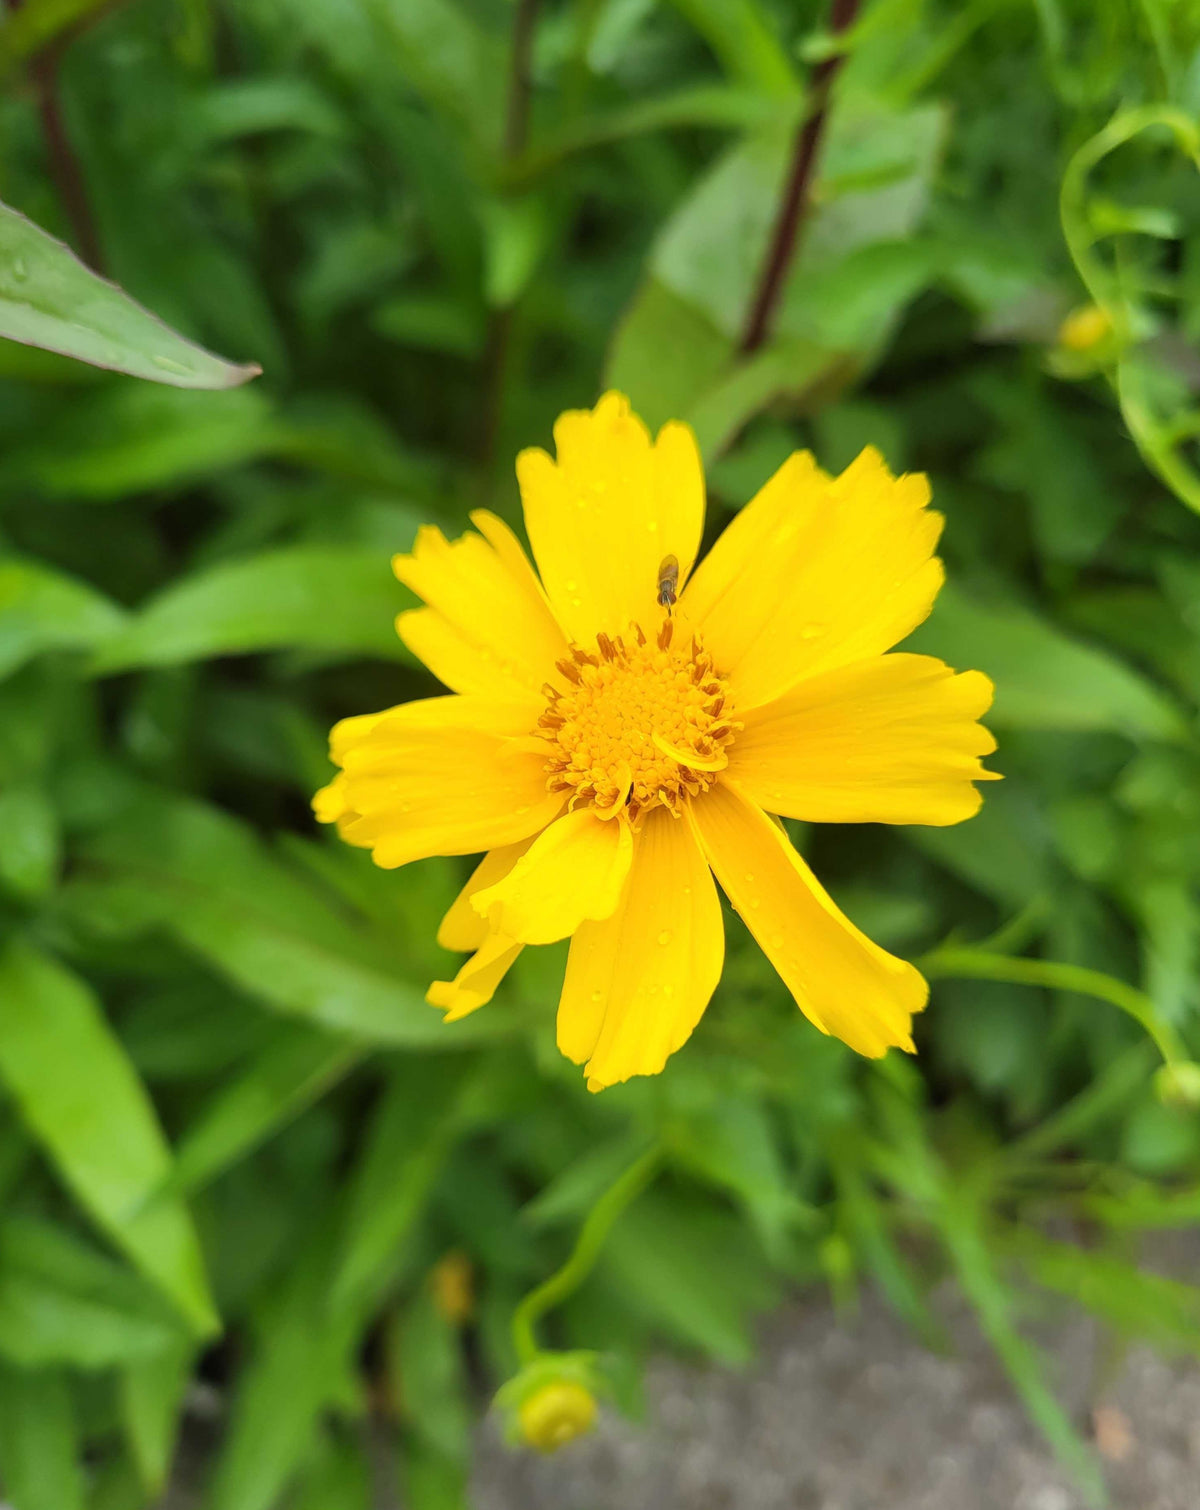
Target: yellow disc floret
x,y
640,725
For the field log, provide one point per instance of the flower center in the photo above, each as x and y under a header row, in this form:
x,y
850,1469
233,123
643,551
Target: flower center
x,y
641,724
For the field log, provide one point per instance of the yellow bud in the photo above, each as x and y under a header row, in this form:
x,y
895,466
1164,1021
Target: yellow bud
x,y
451,1281
556,1414
1084,328
1178,1085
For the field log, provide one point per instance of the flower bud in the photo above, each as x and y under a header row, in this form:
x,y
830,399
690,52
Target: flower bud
x,y
1084,328
452,1283
556,1414
1178,1085
552,1400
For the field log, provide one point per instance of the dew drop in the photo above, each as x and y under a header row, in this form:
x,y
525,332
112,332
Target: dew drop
x,y
19,271
597,996
571,586
812,631
665,936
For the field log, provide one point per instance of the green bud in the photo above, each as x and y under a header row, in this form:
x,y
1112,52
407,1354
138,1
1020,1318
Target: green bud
x,y
1178,1085
553,1400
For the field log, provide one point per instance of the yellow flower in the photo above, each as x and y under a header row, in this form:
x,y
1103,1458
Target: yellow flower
x,y
612,748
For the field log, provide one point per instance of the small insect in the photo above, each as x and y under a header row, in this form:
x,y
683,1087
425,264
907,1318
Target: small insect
x,y
668,581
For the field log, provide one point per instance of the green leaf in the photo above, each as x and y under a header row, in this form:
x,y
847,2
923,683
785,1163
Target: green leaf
x,y
711,250
665,353
297,1067
745,42
676,348
30,852
340,1477
82,1100
151,1395
251,106
733,1147
425,1351
42,610
1003,852
450,61
691,1270
300,1354
203,875
1024,1365
415,1124
720,105
62,1301
125,439
317,597
577,1187
1044,679
1142,1306
791,368
48,298
433,1481
38,1441
865,1218
515,236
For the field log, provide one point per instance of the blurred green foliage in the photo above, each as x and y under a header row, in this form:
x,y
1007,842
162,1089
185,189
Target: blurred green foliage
x,y
235,1142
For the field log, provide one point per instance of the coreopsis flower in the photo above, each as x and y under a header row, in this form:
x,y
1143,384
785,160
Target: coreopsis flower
x,y
622,729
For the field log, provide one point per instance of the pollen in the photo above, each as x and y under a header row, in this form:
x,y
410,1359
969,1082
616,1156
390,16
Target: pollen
x,y
640,724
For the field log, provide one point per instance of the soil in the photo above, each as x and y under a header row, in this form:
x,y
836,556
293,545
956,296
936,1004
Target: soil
x,y
856,1414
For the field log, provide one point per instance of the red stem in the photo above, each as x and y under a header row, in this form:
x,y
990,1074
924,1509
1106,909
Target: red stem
x,y
64,165
797,194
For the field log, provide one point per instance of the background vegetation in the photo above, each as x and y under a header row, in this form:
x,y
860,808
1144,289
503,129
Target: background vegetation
x,y
236,1146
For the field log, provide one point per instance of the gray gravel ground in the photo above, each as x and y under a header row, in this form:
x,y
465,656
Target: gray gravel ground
x,y
860,1416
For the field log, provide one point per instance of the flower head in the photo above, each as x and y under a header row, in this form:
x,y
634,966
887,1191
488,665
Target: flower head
x,y
621,730
556,1414
552,1400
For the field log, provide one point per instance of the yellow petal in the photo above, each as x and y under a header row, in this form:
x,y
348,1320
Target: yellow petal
x,y
842,982
816,573
475,984
330,804
638,982
892,739
441,777
603,516
462,928
488,628
574,870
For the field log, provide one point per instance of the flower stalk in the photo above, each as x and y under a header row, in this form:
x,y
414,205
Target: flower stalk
x,y
566,1281
797,194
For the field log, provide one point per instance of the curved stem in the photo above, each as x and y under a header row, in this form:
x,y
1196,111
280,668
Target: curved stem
x,y
978,964
592,1234
1150,435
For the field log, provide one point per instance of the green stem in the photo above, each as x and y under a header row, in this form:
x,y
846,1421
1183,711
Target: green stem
x,y
592,1234
977,964
1151,436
